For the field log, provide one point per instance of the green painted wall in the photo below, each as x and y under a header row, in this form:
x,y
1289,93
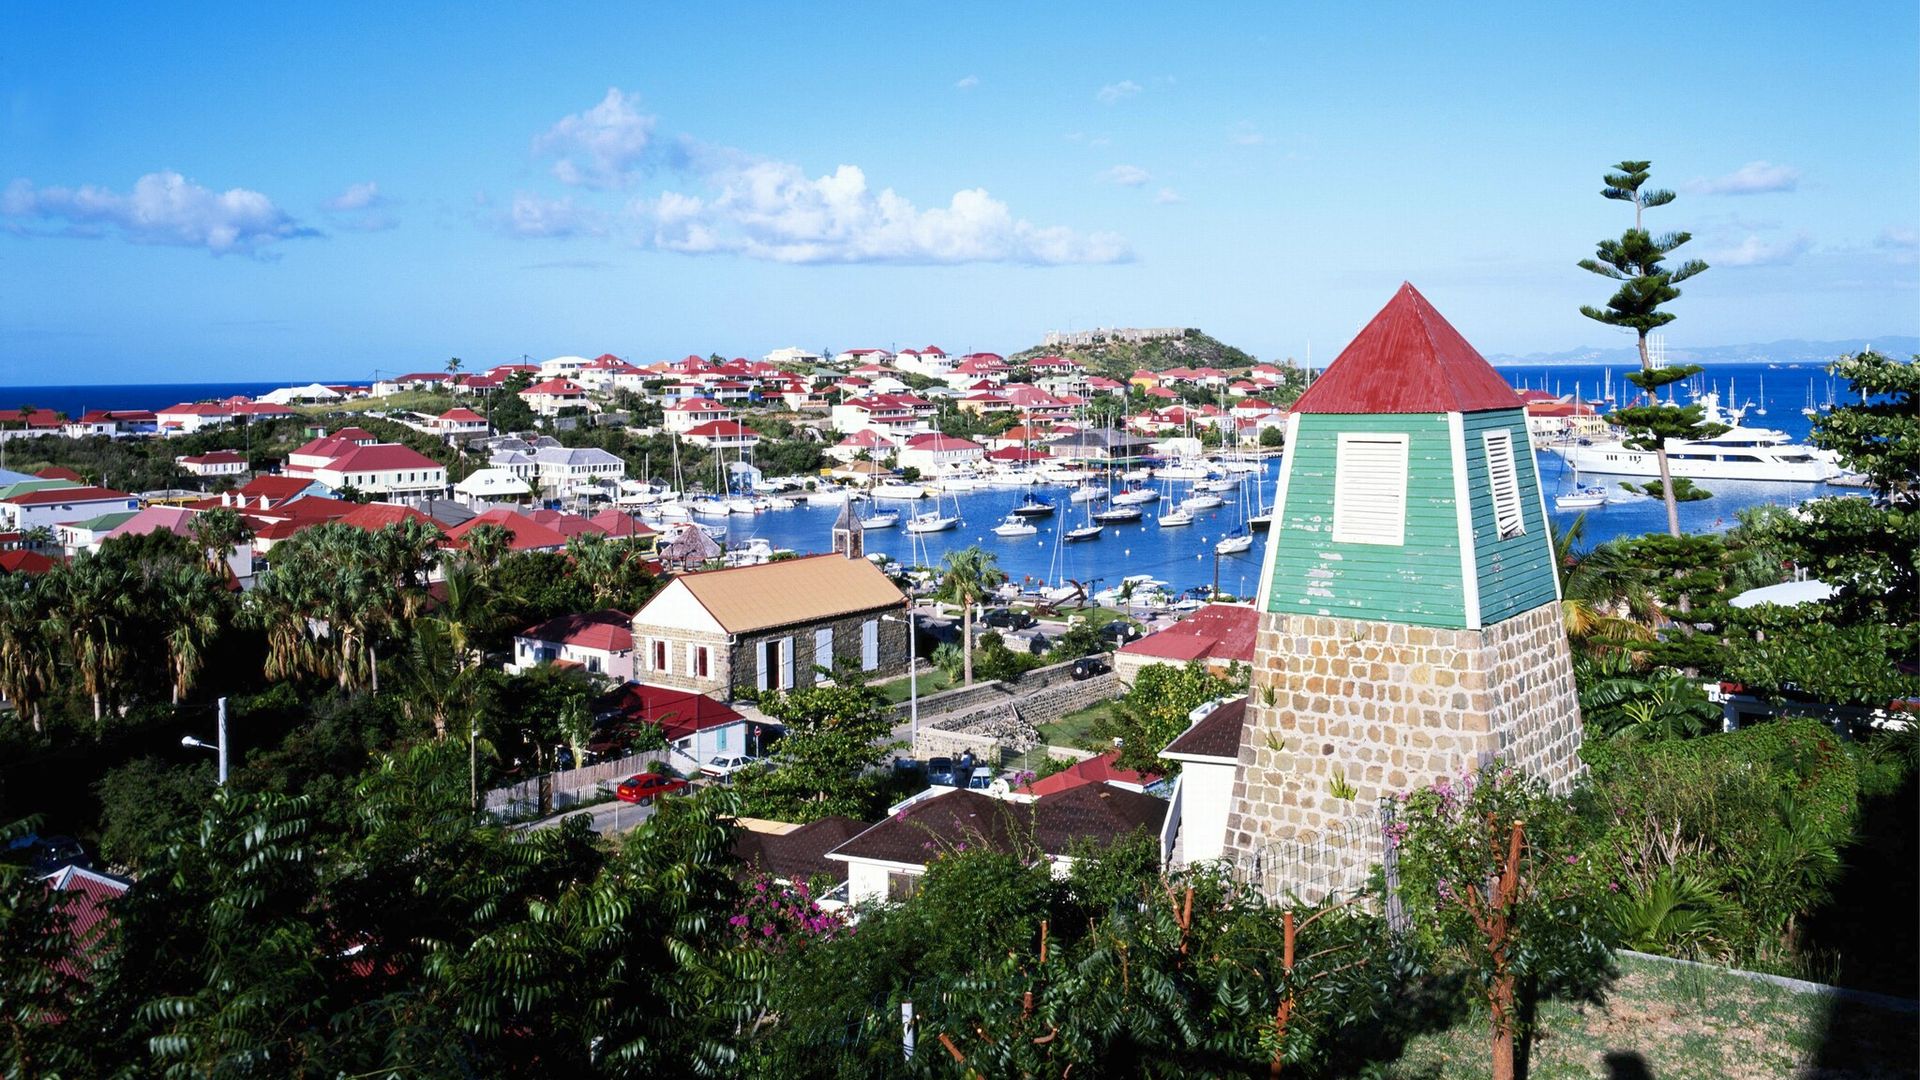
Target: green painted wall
x,y
1515,574
1418,582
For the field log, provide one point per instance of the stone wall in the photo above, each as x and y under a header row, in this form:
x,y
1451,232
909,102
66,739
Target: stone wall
x,y
1384,707
1008,713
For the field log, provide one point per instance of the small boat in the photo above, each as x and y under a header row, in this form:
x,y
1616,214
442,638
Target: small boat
x,y
1217,483
1085,532
1033,507
898,491
744,506
1118,514
1234,545
1015,525
1134,496
1261,522
1585,498
830,496
709,507
1175,518
1205,500
932,521
1087,493
885,519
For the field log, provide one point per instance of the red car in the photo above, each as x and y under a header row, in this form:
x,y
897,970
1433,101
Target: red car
x,y
645,787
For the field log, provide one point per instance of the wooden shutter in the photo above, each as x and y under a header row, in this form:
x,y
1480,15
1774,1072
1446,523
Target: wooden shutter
x,y
823,654
1505,480
762,650
786,663
1370,489
869,645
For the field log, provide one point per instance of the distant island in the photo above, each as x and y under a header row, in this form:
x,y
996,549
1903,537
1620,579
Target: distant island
x,y
1788,351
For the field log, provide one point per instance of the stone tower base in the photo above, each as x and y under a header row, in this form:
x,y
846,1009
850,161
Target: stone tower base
x,y
1344,713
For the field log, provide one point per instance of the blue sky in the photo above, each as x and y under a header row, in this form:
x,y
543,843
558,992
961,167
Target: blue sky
x,y
190,192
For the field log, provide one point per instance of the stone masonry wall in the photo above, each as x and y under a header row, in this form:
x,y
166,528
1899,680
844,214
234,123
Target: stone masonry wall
x,y
1385,707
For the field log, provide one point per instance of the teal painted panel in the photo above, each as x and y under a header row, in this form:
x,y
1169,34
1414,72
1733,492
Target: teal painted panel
x,y
1515,574
1417,582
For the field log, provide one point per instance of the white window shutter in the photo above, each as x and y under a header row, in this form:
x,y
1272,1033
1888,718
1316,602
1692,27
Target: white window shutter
x,y
823,653
1370,489
1504,477
786,663
763,650
869,645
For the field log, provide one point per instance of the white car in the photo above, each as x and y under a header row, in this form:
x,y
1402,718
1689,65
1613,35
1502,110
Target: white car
x,y
725,765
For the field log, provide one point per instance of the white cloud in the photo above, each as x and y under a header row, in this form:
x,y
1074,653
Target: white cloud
x,y
1901,243
1167,197
1753,251
359,209
1753,178
772,210
967,83
602,147
1114,93
536,217
1126,175
356,197
163,208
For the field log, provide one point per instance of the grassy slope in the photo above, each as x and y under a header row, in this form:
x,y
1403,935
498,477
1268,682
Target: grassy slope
x,y
1120,359
1668,1020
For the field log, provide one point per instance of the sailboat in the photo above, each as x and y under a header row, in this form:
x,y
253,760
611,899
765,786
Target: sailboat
x,y
1606,393
1088,493
1809,409
1761,408
885,519
1015,525
933,520
1580,498
1174,518
1033,506
1241,538
1087,531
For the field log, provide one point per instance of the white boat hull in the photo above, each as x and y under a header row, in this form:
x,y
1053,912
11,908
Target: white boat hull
x,y
1695,462
1233,545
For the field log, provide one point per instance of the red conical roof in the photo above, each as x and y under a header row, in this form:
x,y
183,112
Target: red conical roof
x,y
1408,360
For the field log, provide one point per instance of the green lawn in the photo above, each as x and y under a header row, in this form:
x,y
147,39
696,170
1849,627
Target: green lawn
x,y
1671,1021
931,682
432,402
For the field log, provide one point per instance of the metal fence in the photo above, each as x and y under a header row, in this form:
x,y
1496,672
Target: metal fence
x,y
1337,863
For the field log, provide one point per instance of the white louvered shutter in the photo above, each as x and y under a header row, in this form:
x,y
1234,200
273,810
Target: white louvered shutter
x,y
1370,489
1505,478
823,654
869,645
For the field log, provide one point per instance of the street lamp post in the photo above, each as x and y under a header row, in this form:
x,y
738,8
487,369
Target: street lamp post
x,y
218,748
913,677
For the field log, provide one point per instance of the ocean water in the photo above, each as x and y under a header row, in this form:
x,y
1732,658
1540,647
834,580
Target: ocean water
x,y
1183,557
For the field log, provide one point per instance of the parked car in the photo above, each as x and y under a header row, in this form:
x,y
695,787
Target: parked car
x,y
1009,619
940,771
44,855
643,788
981,780
1088,666
1121,631
722,766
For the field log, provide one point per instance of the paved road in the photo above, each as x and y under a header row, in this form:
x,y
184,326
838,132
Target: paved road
x,y
607,818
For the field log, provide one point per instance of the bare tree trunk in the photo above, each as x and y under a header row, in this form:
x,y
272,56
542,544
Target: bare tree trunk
x,y
1660,449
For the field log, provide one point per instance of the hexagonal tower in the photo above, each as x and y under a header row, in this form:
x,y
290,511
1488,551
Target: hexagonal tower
x,y
1410,620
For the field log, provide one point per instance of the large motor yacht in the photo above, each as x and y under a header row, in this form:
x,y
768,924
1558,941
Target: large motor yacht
x,y
1739,453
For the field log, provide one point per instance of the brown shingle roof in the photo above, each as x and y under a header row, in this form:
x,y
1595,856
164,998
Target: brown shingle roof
x,y
1092,813
748,598
799,855
1097,813
1217,735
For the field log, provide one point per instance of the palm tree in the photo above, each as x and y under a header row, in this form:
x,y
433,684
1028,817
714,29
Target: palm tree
x,y
967,576
26,650
1602,595
90,616
597,561
190,599
218,532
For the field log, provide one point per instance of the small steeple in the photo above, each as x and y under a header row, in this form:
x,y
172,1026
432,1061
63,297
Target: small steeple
x,y
849,536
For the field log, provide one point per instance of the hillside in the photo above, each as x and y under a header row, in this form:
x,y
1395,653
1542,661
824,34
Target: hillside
x,y
1194,348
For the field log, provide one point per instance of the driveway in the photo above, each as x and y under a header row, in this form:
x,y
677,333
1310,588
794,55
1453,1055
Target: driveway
x,y
605,818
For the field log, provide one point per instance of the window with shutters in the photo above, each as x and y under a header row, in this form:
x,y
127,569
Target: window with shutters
x,y
1505,478
823,654
869,645
659,656
786,663
700,661
1370,489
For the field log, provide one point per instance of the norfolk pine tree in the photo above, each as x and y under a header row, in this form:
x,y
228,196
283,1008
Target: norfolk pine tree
x,y
1635,260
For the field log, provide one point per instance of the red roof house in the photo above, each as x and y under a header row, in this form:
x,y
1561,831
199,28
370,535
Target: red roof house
x,y
1216,635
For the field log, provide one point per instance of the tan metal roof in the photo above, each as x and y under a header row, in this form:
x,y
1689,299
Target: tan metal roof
x,y
748,598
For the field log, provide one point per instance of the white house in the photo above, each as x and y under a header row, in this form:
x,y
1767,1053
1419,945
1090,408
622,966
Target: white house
x,y
52,506
934,453
723,435
185,419
866,441
217,463
792,355
458,423
563,472
492,485
599,641
548,397
563,366
1209,757
387,470
686,415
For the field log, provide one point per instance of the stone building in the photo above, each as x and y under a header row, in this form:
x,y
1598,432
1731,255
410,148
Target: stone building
x,y
1409,607
771,627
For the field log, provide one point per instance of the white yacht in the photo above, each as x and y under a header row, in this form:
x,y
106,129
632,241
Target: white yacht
x,y
885,519
932,521
1739,453
1015,525
899,491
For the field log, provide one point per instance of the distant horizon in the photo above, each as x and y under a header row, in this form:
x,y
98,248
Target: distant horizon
x,y
1906,345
